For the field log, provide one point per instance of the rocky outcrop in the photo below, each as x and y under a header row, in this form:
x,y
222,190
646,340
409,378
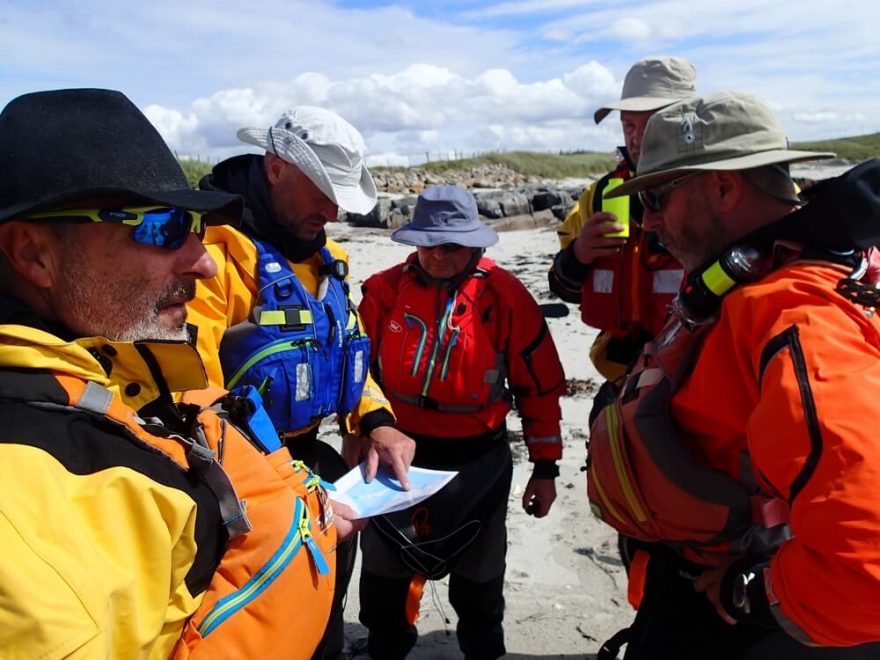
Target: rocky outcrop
x,y
505,199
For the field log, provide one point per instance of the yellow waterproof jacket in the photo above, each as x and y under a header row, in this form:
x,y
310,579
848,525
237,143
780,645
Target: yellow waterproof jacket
x,y
229,298
98,546
109,543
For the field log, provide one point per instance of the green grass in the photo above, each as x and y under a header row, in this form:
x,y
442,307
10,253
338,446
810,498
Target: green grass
x,y
854,149
533,163
194,170
579,164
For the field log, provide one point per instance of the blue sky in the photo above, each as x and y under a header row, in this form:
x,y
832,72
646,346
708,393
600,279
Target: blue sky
x,y
432,78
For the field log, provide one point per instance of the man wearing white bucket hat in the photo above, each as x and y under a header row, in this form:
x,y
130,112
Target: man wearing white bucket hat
x,y
621,275
278,317
749,463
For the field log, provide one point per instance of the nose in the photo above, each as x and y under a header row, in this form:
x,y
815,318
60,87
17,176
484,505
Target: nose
x,y
329,211
193,259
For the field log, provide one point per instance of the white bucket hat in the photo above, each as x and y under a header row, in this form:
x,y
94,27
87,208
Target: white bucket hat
x,y
325,148
723,131
653,83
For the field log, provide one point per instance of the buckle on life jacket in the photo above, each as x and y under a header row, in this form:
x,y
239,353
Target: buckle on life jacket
x,y
336,268
769,511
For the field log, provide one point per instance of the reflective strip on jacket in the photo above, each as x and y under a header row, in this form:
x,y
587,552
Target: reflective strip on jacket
x,y
447,360
111,536
229,298
789,375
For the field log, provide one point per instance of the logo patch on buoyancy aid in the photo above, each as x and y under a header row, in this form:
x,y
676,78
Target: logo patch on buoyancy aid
x,y
305,354
643,482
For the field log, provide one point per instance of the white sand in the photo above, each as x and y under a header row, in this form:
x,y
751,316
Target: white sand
x,y
565,588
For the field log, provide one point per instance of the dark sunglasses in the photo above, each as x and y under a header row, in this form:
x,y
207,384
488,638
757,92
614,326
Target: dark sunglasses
x,y
652,198
447,248
164,227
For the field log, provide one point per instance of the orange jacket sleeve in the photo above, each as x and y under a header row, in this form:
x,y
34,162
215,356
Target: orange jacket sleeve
x,y
812,439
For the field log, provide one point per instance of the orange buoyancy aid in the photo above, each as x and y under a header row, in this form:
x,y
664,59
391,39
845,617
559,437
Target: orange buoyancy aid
x,y
449,359
276,515
285,563
645,483
633,289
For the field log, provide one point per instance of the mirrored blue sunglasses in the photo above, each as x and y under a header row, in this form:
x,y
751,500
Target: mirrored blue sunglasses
x,y
163,227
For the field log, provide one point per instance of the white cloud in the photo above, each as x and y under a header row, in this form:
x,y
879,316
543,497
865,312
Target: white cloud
x,y
516,74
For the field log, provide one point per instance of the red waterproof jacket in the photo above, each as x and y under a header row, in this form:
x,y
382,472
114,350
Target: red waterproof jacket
x,y
451,362
628,292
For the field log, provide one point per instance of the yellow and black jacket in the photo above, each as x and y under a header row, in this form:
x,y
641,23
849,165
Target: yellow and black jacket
x,y
111,538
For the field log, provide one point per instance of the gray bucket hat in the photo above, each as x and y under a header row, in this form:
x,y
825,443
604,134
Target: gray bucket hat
x,y
653,83
446,214
723,131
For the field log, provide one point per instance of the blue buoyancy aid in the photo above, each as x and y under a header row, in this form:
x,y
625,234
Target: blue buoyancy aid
x,y
305,354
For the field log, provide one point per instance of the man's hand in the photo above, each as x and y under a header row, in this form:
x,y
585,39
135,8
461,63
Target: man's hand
x,y
709,583
591,243
539,496
344,520
389,446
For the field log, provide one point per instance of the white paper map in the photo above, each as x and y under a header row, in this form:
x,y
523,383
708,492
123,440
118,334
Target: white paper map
x,y
385,494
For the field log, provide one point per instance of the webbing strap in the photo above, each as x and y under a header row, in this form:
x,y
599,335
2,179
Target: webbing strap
x,y
200,458
637,577
433,404
414,598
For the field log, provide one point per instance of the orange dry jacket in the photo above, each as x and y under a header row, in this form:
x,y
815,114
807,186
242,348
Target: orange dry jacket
x,y
790,375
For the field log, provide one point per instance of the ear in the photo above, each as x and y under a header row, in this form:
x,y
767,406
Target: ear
x,y
273,166
31,251
728,188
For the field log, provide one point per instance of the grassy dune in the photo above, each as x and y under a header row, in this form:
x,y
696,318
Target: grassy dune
x,y
580,164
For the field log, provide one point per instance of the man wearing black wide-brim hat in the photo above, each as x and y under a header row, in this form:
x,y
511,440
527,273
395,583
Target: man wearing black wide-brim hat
x,y
117,504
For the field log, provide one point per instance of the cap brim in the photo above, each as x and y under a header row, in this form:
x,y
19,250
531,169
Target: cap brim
x,y
739,163
635,104
479,238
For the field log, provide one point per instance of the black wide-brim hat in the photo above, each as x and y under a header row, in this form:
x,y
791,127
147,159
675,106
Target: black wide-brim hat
x,y
57,147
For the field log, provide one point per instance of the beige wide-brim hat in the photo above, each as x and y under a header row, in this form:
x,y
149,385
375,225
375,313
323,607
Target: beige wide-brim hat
x,y
325,148
724,131
654,83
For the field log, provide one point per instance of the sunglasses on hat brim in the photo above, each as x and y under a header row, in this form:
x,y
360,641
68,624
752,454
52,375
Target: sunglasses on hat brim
x,y
163,227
